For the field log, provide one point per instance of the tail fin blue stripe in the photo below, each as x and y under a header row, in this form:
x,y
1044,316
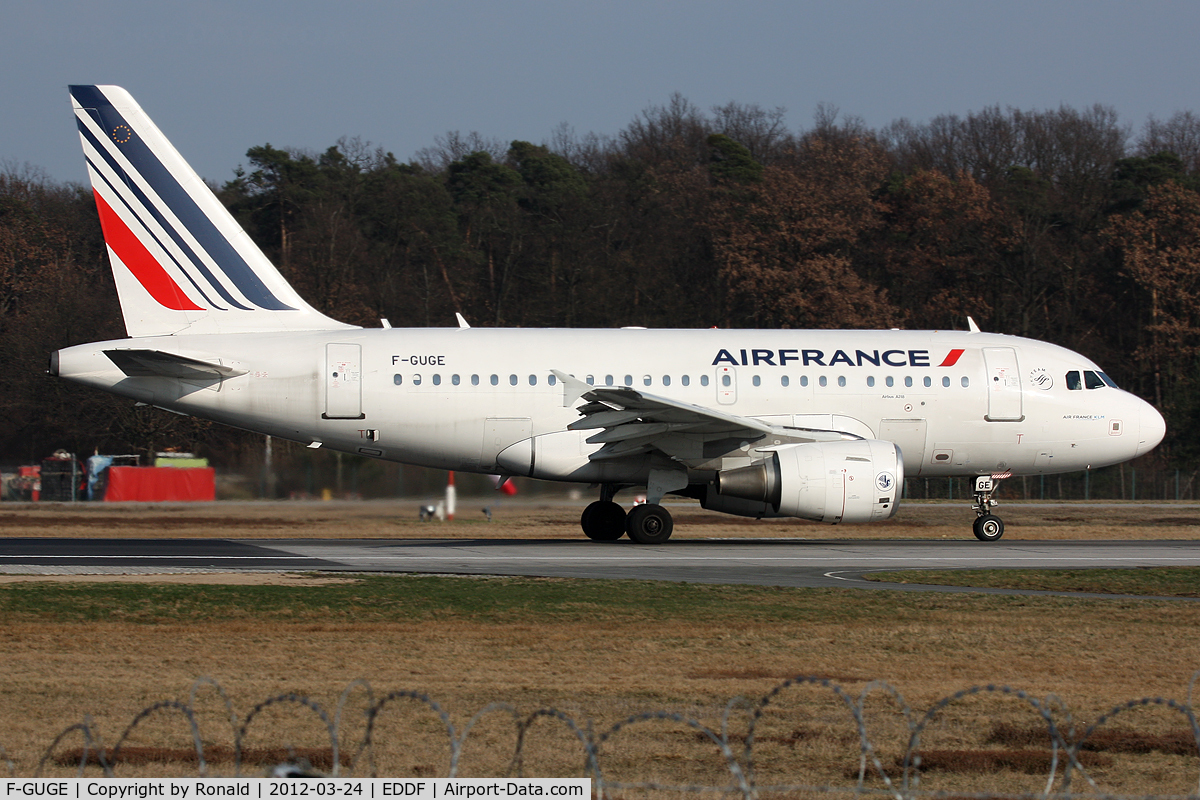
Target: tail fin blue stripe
x,y
179,202
152,210
149,232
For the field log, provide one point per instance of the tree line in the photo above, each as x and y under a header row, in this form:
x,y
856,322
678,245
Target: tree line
x,y
1063,225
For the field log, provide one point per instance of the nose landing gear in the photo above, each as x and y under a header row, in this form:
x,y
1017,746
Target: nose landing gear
x,y
988,527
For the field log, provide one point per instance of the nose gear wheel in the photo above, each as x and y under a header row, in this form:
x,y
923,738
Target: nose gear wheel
x,y
987,527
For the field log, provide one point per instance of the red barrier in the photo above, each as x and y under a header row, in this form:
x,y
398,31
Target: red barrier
x,y
151,484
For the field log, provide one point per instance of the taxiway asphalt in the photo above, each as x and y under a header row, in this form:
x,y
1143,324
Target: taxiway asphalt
x,y
772,562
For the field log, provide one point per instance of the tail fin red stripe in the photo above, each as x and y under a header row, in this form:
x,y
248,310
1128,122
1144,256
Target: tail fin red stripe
x,y
141,263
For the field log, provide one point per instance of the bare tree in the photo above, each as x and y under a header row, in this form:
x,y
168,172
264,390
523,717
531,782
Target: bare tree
x,y
454,146
764,133
674,133
589,153
1179,135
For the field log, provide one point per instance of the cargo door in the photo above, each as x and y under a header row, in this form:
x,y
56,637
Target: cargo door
x,y
909,436
343,382
1003,385
499,433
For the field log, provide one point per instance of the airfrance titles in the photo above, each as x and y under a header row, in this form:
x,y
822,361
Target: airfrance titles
x,y
820,358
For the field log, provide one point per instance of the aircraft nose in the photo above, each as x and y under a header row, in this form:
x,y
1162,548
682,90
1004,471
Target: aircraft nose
x,y
1151,429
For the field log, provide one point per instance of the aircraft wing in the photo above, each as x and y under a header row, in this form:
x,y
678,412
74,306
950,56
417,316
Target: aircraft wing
x,y
629,421
156,363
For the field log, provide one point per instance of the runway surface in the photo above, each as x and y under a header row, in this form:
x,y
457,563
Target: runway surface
x,y
773,562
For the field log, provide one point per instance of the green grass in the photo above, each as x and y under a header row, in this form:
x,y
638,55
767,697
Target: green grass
x,y
1149,581
385,599
391,599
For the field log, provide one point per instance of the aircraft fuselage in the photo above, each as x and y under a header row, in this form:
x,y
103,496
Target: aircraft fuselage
x,y
955,403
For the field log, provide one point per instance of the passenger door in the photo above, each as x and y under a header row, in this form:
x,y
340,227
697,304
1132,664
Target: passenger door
x,y
343,381
1003,385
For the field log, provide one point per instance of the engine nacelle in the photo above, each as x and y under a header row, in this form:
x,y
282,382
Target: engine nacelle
x,y
856,481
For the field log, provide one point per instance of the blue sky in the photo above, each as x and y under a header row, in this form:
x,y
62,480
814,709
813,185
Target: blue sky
x,y
221,76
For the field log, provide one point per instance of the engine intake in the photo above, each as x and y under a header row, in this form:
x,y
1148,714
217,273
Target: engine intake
x,y
856,481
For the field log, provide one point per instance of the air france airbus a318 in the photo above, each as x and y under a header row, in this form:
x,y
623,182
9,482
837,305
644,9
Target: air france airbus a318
x,y
821,425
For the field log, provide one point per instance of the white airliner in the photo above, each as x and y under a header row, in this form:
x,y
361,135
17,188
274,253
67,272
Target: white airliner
x,y
821,425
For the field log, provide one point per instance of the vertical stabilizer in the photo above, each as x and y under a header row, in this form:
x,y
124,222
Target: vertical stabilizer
x,y
182,264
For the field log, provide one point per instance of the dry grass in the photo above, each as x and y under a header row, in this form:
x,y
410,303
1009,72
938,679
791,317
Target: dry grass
x,y
1094,655
603,667
519,519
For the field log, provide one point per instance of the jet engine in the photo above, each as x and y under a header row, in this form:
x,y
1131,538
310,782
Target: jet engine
x,y
855,481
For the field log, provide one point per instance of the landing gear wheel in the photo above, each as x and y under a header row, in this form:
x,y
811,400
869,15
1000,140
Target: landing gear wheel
x,y
649,524
603,521
988,528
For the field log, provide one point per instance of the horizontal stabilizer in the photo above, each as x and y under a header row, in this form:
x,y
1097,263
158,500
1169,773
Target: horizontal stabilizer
x,y
157,364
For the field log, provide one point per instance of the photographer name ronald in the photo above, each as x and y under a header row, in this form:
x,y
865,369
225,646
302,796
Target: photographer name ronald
x,y
368,789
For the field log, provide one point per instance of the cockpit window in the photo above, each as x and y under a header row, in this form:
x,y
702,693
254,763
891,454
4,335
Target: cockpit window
x,y
1090,379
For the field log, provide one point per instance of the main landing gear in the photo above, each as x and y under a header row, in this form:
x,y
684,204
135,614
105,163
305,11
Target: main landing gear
x,y
605,520
988,527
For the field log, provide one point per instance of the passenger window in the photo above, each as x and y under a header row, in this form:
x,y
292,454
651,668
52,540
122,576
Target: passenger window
x,y
416,380
1091,380
946,381
928,381
890,381
608,380
804,380
474,380
841,380
1073,382
823,381
454,379
870,381
666,380
552,380
726,380
591,380
396,379
756,380
437,380
908,381
686,380
495,380
646,380
512,380
629,380
704,380
966,381
784,381
533,380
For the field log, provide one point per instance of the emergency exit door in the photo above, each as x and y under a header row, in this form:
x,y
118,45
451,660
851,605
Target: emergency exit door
x,y
343,381
726,386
